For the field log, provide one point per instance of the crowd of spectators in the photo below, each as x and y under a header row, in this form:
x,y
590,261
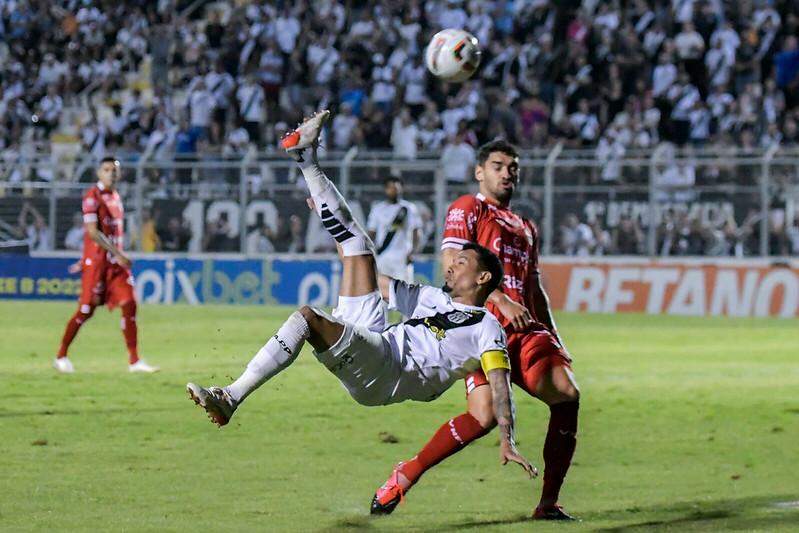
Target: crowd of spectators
x,y
124,77
679,233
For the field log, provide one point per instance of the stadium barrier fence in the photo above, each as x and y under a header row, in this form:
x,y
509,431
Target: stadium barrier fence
x,y
740,199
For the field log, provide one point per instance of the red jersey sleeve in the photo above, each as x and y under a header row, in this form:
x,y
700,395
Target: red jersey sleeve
x,y
460,227
90,206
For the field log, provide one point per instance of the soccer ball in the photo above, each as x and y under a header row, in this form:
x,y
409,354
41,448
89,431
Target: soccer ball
x,y
453,55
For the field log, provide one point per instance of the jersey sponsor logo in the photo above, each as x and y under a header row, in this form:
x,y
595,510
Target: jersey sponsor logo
x,y
508,253
454,225
439,323
456,215
471,220
512,282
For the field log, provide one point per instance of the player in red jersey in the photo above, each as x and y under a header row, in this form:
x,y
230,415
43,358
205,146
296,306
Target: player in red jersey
x,y
106,277
540,364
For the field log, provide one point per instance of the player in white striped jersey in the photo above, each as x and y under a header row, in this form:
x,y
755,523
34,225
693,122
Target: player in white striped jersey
x,y
395,227
450,333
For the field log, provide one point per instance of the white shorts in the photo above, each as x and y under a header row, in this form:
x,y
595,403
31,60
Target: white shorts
x,y
362,359
396,269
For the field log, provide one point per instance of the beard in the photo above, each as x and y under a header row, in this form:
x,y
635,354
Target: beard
x,y
446,288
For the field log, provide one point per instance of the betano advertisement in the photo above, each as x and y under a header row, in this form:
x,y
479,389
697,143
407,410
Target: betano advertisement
x,y
689,287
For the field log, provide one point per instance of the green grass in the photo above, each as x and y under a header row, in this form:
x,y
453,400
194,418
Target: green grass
x,y
686,424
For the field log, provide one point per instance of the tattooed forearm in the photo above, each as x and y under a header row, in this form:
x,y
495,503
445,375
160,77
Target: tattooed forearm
x,y
502,397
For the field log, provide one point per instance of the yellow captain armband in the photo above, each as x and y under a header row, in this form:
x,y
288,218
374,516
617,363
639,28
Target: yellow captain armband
x,y
493,359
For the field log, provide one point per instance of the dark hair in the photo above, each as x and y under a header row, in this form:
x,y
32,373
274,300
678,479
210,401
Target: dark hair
x,y
108,159
497,145
489,262
392,179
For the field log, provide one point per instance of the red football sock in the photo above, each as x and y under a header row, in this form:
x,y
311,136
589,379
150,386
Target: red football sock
x,y
72,328
558,449
130,331
450,438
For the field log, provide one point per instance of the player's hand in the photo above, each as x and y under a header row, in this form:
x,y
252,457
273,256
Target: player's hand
x,y
508,453
518,314
123,260
75,267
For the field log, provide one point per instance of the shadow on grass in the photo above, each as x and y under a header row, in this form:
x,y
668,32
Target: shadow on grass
x,y
708,515
475,524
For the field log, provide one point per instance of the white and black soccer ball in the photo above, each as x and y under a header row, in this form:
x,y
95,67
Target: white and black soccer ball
x,y
453,55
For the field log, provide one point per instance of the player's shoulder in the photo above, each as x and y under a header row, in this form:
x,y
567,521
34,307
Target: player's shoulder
x,y
92,192
407,204
468,202
490,321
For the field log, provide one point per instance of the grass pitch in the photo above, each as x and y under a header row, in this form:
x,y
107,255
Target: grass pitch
x,y
686,424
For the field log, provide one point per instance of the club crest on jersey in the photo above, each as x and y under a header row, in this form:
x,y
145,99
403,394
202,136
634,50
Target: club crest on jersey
x,y
457,317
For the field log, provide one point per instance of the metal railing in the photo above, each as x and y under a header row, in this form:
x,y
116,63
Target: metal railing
x,y
749,199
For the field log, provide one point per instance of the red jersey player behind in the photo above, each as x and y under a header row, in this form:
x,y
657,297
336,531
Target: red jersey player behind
x,y
540,365
106,277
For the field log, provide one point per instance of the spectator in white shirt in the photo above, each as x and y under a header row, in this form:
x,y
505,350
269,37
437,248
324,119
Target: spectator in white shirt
x,y
221,85
585,122
343,126
728,38
252,109
718,65
413,77
201,107
383,89
50,110
663,76
74,237
453,16
577,238
237,141
404,135
289,30
36,232
431,137
457,159
322,57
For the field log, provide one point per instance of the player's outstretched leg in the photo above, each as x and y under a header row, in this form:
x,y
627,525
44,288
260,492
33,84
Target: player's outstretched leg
x,y
280,351
450,438
356,249
62,362
331,207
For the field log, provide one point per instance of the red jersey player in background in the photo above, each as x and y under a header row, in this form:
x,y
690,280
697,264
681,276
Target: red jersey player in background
x,y
540,364
106,277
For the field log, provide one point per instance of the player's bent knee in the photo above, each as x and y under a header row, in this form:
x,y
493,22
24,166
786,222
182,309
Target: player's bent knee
x,y
310,316
481,408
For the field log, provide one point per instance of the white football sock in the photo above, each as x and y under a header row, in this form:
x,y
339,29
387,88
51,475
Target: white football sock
x,y
334,211
274,357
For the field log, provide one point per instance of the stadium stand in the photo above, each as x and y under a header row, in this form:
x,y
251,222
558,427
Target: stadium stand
x,y
193,83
